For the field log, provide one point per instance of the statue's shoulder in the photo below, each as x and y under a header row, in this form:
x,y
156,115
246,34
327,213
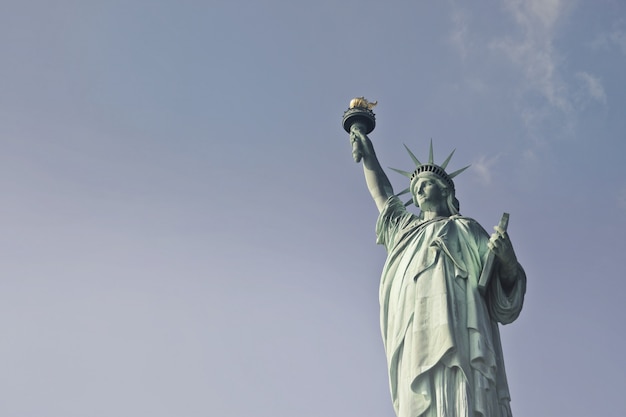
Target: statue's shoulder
x,y
468,223
463,219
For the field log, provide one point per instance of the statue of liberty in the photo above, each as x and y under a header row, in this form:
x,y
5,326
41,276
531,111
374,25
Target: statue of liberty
x,y
439,326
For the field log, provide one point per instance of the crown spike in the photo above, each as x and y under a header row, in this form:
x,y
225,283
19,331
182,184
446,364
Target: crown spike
x,y
445,163
457,172
431,160
413,157
406,190
431,168
399,171
408,203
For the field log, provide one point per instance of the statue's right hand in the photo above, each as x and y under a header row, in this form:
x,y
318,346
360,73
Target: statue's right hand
x,y
356,147
357,139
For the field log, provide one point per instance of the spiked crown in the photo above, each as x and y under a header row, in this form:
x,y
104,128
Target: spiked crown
x,y
431,168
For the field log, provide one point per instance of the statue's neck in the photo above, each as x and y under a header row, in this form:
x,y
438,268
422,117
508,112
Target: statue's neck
x,y
433,214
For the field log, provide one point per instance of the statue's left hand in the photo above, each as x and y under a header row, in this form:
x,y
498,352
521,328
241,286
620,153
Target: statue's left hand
x,y
501,245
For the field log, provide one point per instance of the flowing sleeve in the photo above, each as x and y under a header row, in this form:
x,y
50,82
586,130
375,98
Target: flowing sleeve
x,y
505,306
392,219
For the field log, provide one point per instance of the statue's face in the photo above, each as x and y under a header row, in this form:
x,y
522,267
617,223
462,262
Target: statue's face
x,y
428,194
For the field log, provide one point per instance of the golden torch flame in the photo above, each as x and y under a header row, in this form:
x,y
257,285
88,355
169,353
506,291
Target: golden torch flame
x,y
362,103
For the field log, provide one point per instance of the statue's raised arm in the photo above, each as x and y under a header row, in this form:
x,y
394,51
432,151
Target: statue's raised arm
x,y
359,121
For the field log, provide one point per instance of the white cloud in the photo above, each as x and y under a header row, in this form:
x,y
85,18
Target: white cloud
x,y
618,37
548,11
549,94
459,36
609,40
592,86
534,53
483,168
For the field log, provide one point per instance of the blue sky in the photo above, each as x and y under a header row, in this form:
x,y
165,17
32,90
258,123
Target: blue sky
x,y
185,232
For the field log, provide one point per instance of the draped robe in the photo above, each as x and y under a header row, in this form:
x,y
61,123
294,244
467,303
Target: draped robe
x,y
440,333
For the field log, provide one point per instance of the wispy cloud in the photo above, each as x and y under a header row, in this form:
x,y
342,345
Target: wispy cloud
x,y
459,34
534,52
550,91
484,167
592,86
615,38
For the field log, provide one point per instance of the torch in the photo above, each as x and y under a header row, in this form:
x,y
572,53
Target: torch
x,y
359,112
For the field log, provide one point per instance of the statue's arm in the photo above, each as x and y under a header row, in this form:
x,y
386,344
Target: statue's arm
x,y
377,182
